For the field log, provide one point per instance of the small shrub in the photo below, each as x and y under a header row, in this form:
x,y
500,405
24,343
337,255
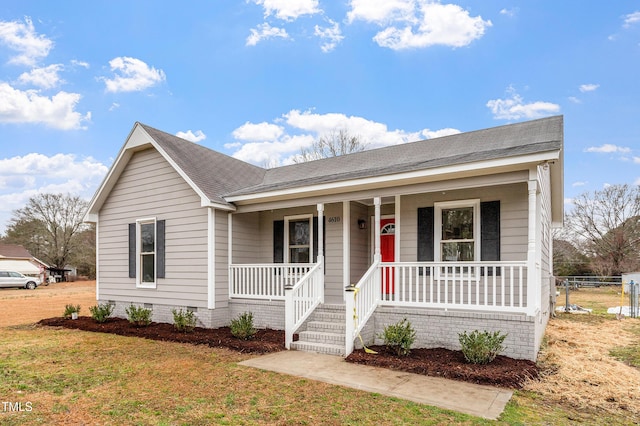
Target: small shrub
x,y
101,312
242,327
481,348
184,320
399,337
139,316
71,309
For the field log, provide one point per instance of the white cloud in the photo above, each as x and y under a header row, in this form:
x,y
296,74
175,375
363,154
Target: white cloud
x,y
77,63
631,19
575,100
22,177
637,181
381,11
46,78
288,10
418,24
114,106
608,148
579,183
17,106
509,12
267,143
264,32
132,75
514,107
332,36
636,160
258,132
23,39
588,87
191,136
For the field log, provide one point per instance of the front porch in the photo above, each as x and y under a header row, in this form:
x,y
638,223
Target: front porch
x,y
479,287
378,267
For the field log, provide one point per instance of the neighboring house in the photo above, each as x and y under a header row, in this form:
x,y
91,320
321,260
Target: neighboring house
x,y
453,233
16,258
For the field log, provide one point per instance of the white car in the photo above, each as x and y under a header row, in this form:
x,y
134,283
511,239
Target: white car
x,y
16,279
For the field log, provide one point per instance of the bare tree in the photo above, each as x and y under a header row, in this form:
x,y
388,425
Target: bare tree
x,y
331,144
48,226
607,223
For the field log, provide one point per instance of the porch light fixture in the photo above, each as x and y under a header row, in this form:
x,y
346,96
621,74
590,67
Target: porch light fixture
x,y
362,224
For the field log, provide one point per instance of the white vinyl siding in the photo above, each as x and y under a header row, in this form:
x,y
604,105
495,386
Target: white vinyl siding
x,y
150,187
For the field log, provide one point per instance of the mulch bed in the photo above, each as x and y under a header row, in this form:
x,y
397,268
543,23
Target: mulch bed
x,y
439,362
264,341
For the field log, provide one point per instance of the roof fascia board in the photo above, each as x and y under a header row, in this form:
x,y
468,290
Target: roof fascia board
x,y
137,140
399,177
363,196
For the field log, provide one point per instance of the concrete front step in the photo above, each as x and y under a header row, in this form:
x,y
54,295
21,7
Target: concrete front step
x,y
321,348
321,337
329,316
325,331
336,327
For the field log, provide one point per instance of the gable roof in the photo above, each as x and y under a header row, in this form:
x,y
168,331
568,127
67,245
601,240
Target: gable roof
x,y
221,180
214,173
495,143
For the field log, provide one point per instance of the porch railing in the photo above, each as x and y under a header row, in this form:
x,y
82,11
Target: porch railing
x,y
478,286
264,281
361,301
489,286
301,299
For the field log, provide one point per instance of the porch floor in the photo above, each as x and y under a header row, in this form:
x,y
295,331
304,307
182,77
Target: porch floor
x,y
477,400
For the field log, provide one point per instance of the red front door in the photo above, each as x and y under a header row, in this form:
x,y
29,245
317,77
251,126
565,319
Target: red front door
x,y
387,251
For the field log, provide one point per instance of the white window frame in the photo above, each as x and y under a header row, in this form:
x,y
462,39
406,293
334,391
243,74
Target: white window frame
x,y
287,219
438,207
139,253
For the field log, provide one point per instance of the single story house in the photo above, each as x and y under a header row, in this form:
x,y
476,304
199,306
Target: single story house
x,y
14,257
452,233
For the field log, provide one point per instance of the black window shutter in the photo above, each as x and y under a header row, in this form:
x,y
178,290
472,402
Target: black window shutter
x,y
132,250
425,234
160,248
490,230
315,240
315,237
490,234
278,241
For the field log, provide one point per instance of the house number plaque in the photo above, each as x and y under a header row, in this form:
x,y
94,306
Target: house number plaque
x,y
333,219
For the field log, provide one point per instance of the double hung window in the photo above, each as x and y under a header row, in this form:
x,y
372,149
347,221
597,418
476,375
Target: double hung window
x,y
298,239
457,229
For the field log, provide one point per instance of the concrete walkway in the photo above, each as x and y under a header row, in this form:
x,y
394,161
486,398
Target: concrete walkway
x,y
469,398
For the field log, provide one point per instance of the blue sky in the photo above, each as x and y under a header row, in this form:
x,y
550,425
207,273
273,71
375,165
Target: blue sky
x,y
259,79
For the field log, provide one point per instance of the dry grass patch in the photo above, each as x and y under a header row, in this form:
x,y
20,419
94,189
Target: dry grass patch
x,y
20,306
581,372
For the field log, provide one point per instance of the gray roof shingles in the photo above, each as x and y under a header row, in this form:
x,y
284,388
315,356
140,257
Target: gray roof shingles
x,y
219,175
214,173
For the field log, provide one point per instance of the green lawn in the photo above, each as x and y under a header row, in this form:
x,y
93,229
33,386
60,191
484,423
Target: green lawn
x,y
75,377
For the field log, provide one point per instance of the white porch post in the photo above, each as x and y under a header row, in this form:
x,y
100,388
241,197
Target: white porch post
x,y
346,243
321,245
320,231
376,244
533,279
